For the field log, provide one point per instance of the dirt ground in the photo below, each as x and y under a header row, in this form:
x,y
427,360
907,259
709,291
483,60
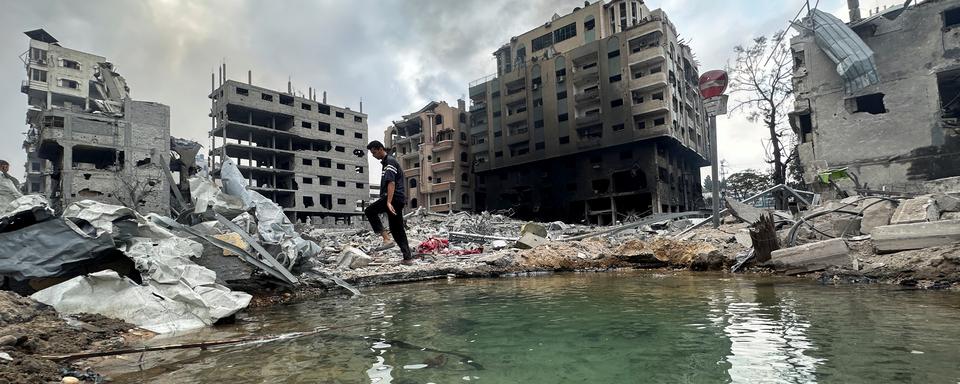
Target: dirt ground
x,y
30,330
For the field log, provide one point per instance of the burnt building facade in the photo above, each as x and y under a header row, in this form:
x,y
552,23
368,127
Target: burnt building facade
x,y
893,117
307,156
87,138
432,147
594,116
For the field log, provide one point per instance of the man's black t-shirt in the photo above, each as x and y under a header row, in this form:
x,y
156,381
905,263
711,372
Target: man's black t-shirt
x,y
392,172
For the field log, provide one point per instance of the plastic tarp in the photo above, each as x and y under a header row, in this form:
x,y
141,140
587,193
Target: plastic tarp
x,y
8,190
25,203
178,294
853,57
273,226
206,195
48,249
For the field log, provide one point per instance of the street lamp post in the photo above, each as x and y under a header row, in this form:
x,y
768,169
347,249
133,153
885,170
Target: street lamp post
x,y
712,85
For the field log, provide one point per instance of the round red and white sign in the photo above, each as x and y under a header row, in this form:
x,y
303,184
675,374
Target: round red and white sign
x,y
713,83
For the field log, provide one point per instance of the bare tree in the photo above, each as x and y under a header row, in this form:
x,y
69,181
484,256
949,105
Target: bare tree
x,y
135,186
761,85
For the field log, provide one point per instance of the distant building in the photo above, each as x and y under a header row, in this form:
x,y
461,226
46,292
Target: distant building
x,y
893,120
309,157
87,138
431,145
593,116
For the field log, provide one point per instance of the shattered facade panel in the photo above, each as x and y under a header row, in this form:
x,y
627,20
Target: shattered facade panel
x,y
76,150
307,156
594,116
432,147
895,134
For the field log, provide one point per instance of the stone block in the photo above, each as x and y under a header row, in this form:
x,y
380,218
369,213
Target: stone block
x,y
743,238
947,203
950,216
891,238
916,210
847,226
530,240
876,214
812,257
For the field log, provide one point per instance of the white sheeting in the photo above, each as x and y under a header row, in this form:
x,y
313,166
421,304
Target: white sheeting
x,y
177,294
273,226
25,203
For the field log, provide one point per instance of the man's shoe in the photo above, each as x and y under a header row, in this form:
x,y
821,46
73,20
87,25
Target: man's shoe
x,y
407,262
385,246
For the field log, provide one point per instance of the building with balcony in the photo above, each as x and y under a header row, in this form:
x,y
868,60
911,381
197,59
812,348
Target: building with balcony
x,y
87,138
892,119
593,116
309,157
432,147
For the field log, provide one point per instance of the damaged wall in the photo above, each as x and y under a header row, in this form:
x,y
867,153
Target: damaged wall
x,y
114,160
895,134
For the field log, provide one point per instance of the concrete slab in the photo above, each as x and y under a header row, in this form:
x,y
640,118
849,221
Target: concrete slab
x,y
743,238
950,216
916,210
847,226
947,203
876,214
891,238
812,257
747,213
530,240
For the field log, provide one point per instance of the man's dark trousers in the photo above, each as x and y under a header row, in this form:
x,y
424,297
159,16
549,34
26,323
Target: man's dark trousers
x,y
396,223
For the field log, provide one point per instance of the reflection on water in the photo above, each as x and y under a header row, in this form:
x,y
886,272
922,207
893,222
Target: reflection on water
x,y
634,327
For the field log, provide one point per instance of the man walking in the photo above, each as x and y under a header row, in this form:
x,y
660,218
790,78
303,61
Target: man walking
x,y
391,201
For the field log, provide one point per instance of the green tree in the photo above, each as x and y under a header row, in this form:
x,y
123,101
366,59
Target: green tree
x,y
746,183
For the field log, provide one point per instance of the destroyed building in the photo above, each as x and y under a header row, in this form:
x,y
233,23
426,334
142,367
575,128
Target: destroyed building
x,y
309,157
879,96
431,145
87,138
595,116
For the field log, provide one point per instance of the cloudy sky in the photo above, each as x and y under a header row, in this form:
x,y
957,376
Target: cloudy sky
x,y
394,55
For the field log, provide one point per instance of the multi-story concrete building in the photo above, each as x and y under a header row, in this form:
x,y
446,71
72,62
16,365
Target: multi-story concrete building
x,y
893,123
88,139
309,157
431,145
592,116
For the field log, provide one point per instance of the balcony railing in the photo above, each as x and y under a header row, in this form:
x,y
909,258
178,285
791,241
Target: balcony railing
x,y
647,55
649,106
442,166
443,145
590,94
442,187
648,81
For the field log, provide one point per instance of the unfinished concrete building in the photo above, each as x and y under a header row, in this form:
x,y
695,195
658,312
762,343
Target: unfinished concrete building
x,y
891,115
431,145
309,157
87,138
594,116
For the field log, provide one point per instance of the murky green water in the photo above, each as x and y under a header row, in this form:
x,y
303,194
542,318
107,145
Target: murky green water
x,y
589,328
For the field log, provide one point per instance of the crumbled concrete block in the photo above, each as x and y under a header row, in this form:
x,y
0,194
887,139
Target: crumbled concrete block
x,y
947,203
534,228
876,214
916,210
748,213
950,216
902,237
813,256
743,238
497,245
530,240
847,226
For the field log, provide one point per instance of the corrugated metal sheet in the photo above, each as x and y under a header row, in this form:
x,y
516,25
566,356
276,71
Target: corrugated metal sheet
x,y
854,58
